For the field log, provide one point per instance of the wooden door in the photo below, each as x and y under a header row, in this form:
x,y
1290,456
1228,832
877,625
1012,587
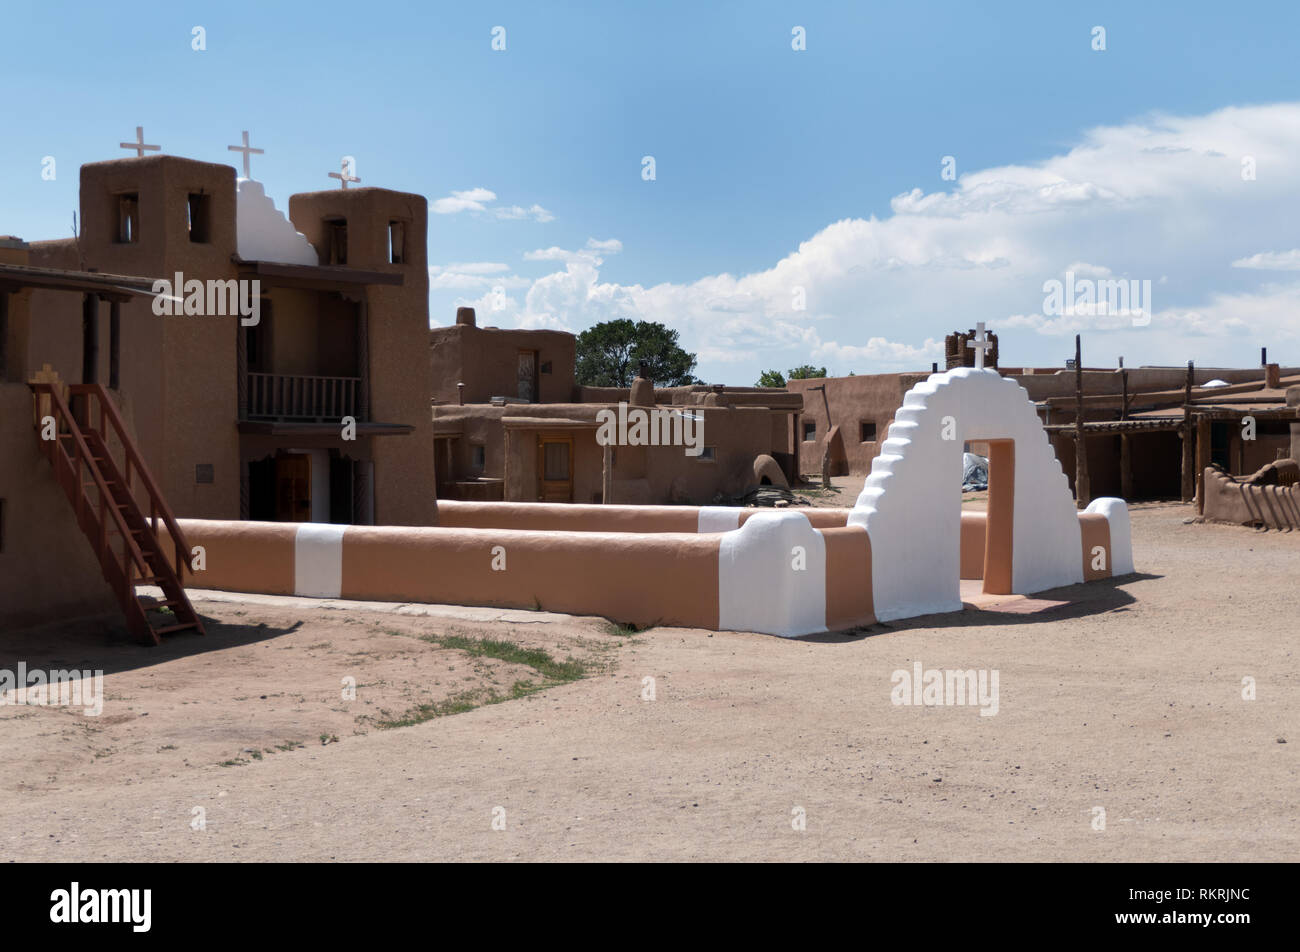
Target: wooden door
x,y
527,377
555,468
293,488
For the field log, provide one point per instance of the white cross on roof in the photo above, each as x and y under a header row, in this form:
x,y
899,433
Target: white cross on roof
x,y
247,150
138,144
981,345
344,175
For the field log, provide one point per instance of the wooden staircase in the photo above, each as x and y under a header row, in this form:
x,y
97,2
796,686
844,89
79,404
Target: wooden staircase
x,y
128,545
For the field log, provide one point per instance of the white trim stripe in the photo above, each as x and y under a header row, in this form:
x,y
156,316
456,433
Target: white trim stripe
x,y
318,560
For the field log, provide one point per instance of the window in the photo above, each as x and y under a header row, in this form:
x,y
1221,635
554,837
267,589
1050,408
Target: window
x,y
198,217
868,431
546,367
336,230
809,432
708,454
128,218
478,456
396,242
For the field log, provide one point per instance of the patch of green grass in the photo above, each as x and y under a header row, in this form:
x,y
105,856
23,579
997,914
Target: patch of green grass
x,y
538,659
457,704
551,671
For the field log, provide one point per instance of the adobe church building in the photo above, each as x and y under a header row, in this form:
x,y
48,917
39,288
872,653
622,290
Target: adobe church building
x,y
511,423
233,418
245,421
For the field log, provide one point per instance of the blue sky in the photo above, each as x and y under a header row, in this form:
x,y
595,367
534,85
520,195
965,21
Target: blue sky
x,y
776,169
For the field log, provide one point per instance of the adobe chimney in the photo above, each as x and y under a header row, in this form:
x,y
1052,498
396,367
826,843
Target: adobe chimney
x,y
465,315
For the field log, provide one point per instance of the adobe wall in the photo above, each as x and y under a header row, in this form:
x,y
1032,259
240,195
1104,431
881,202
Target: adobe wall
x,y
870,398
486,360
742,570
1272,507
48,571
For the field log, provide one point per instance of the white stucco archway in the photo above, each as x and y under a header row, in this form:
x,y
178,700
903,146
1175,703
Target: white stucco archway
x,y
911,503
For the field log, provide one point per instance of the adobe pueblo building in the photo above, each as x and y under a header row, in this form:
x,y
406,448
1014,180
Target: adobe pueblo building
x,y
511,423
1150,432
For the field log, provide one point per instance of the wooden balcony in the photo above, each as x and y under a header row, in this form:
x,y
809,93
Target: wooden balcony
x,y
300,398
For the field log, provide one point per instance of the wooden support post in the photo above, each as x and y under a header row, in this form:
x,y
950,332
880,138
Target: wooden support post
x,y
1189,436
90,339
115,345
1082,488
1202,459
1123,407
607,476
1125,467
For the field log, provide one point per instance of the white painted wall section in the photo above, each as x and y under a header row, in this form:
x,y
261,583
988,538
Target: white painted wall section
x,y
718,518
1121,532
759,586
318,560
264,233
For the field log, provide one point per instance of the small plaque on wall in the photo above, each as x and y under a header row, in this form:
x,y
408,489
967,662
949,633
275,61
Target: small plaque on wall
x,y
203,473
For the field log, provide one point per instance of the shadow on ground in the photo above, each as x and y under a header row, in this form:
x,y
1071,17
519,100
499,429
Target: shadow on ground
x,y
1056,604
101,645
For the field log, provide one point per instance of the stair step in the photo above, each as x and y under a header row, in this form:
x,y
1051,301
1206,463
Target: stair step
x,y
170,628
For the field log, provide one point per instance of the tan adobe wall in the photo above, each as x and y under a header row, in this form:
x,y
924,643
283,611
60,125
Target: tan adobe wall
x,y
664,573
486,360
1239,503
48,571
853,400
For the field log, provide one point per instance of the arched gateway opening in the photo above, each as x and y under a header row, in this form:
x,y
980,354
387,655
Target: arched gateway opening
x,y
911,503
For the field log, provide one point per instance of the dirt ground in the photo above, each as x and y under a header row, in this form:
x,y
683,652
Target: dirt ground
x,y
1124,697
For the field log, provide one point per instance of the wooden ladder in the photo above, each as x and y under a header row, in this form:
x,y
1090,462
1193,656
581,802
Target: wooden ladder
x,y
128,545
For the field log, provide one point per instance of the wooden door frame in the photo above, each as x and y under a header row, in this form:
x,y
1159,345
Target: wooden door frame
x,y
542,440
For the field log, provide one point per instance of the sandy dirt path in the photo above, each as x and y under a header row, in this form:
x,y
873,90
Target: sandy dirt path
x,y
1125,697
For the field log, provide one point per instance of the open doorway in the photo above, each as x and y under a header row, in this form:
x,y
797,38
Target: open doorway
x,y
986,536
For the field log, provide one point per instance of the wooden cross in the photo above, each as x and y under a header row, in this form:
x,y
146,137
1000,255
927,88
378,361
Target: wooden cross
x,y
138,144
981,344
247,150
345,174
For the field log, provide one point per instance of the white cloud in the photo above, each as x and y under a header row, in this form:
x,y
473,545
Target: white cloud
x,y
1161,199
1271,261
471,200
480,200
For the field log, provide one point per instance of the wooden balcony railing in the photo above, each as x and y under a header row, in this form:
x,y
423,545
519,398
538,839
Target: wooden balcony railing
x,y
293,397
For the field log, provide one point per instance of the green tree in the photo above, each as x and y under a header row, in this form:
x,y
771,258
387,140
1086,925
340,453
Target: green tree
x,y
807,371
610,354
771,378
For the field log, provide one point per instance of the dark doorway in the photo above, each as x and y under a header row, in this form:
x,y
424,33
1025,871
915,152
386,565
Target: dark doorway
x,y
341,500
261,489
